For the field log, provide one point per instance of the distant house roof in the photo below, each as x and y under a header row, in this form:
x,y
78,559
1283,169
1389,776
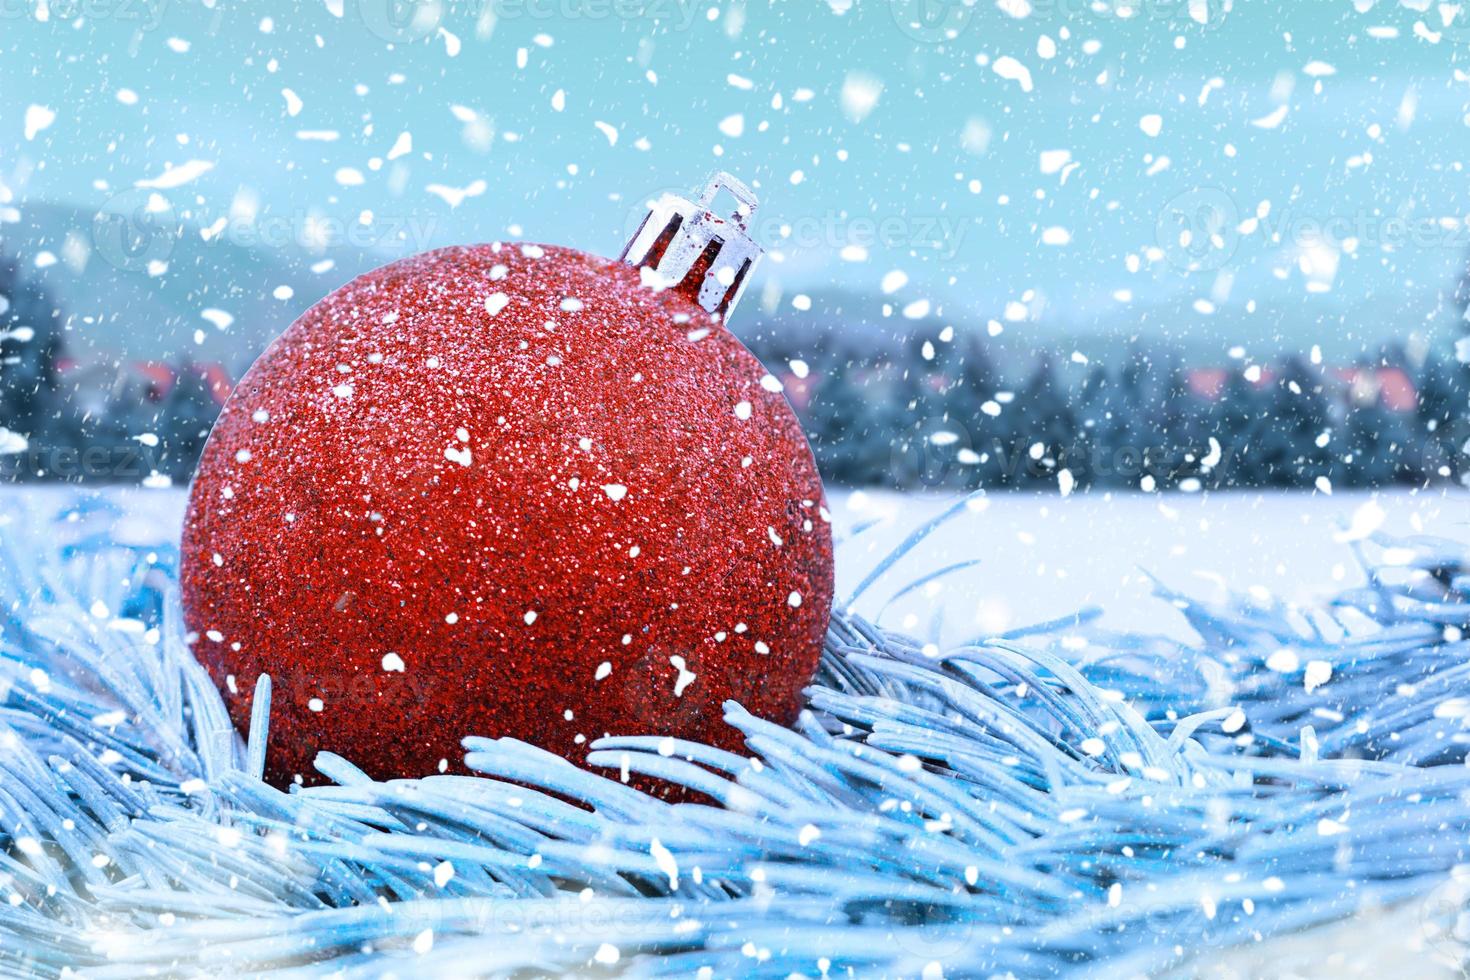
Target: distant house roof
x,y
1392,387
160,377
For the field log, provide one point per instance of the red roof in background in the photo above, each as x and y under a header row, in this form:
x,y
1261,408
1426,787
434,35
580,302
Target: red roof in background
x,y
798,390
1207,382
1397,390
160,377
218,379
1390,386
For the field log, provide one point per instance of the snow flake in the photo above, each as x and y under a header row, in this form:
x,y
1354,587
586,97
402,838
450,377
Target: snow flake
x,y
1054,160
685,678
1272,120
38,118
1012,71
455,196
1283,661
218,318
12,442
860,92
177,176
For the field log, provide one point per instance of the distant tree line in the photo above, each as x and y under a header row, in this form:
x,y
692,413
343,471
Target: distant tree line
x,y
937,414
930,412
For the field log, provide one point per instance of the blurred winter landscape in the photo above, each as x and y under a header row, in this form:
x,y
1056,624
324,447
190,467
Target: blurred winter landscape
x,y
1179,285
1157,245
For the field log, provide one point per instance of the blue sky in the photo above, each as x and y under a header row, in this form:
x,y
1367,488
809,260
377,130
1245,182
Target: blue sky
x,y
1031,169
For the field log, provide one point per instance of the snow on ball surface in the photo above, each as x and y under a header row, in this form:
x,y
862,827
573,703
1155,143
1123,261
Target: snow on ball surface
x,y
504,490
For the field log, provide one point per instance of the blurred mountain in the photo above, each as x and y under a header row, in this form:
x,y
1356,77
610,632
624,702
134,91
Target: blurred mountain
x,y
135,284
141,285
1018,334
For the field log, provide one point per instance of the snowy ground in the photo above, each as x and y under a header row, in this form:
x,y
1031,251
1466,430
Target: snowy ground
x,y
1044,557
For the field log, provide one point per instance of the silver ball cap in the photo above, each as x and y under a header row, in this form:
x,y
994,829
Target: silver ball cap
x,y
689,248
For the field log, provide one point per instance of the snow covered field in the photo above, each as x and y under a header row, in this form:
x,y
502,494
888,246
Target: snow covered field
x,y
1043,557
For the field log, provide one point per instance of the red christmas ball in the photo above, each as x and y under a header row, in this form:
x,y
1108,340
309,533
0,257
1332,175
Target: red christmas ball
x,y
510,490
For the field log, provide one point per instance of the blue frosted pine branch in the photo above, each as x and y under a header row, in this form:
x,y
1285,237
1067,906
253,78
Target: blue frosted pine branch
x,y
1054,803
